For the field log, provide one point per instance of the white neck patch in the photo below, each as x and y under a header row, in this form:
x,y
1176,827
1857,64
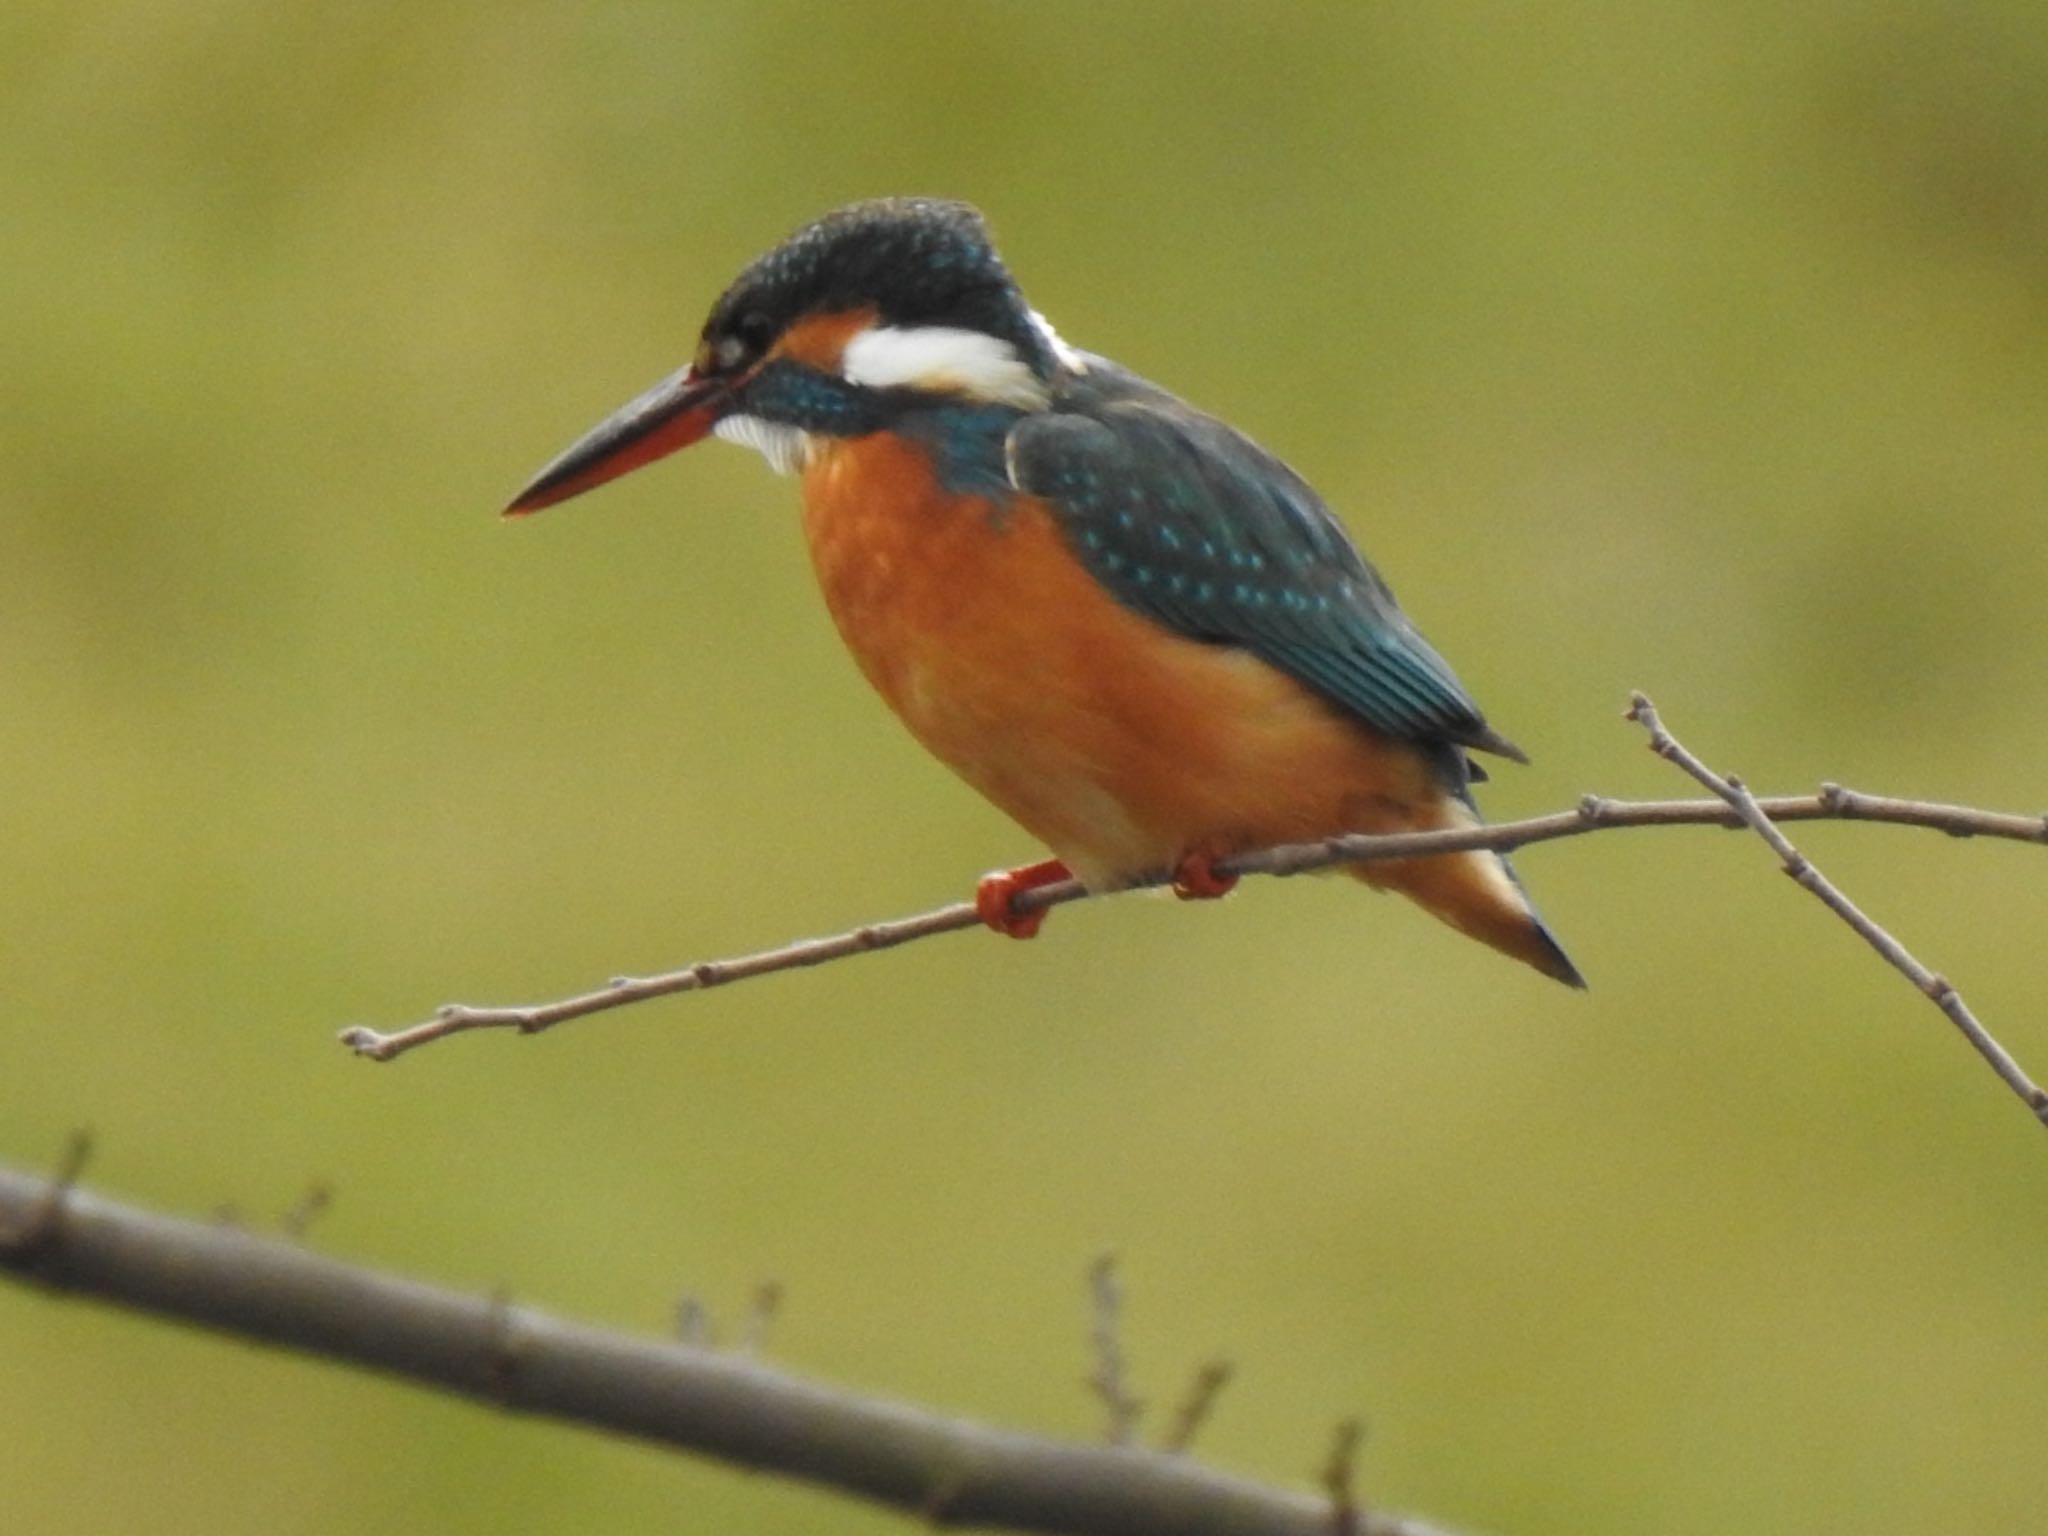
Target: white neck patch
x,y
942,358
1071,359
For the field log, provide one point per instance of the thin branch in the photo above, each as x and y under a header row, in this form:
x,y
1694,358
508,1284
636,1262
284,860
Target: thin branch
x,y
1105,1341
1592,814
1195,1408
761,1313
693,1322
1757,815
307,1209
456,1018
720,1405
1340,1478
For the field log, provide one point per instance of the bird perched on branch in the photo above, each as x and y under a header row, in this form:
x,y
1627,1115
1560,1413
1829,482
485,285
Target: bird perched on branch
x,y
1132,628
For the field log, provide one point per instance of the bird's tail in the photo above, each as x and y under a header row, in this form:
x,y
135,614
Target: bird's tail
x,y
1477,894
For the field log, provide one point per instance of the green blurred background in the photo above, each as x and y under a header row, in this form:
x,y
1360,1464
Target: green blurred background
x,y
1703,350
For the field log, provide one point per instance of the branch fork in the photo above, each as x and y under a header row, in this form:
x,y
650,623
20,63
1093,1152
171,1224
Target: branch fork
x,y
1936,987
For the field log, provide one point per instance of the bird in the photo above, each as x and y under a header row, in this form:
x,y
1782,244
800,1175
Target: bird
x,y
1132,628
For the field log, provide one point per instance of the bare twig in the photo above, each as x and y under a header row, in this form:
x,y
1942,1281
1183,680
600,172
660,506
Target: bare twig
x,y
1593,813
1195,1408
1340,1477
767,1302
725,1406
693,1322
1104,1337
306,1210
1757,815
456,1018
36,1226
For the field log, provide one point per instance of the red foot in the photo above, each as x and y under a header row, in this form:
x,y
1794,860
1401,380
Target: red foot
x,y
993,897
1195,879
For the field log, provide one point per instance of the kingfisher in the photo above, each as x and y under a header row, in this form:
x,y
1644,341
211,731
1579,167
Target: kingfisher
x,y
1124,622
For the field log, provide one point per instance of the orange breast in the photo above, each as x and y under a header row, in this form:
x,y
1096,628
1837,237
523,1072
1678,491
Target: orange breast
x,y
1118,743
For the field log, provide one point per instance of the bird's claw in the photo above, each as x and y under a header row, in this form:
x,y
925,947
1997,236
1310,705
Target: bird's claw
x,y
1195,879
995,896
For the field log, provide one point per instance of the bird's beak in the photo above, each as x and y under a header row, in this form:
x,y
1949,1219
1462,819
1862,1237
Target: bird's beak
x,y
677,412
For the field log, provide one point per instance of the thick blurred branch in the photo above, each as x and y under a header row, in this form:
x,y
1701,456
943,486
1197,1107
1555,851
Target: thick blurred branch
x,y
733,1409
1734,806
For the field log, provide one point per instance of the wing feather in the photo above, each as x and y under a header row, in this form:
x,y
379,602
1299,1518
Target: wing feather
x,y
1192,524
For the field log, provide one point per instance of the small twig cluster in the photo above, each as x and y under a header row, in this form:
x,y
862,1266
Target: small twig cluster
x,y
1105,1338
1109,1380
694,1326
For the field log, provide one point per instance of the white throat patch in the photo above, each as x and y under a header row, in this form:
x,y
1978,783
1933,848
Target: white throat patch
x,y
786,448
942,358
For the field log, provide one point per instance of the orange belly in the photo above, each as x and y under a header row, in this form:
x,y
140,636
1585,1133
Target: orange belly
x,y
1121,745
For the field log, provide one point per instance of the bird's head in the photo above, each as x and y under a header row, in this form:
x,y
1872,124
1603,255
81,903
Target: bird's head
x,y
848,321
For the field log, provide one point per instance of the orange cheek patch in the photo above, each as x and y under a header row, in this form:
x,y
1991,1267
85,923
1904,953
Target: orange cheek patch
x,y
819,341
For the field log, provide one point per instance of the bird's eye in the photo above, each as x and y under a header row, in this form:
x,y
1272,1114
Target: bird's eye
x,y
746,339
